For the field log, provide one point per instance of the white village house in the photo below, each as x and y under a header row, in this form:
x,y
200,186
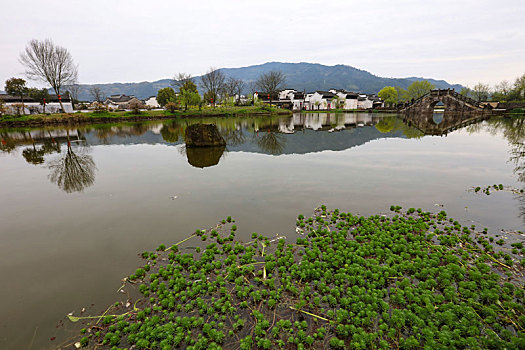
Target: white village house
x,y
346,99
152,102
120,101
322,100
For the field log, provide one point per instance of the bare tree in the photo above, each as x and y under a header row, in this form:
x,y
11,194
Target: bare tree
x,y
480,92
74,90
233,87
270,82
212,82
97,94
180,79
47,62
504,88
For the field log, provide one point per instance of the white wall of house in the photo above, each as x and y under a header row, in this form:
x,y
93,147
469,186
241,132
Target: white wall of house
x,y
152,102
317,102
36,107
307,103
365,103
286,94
349,103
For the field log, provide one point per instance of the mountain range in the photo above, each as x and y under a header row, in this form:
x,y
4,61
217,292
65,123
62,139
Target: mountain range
x,y
301,76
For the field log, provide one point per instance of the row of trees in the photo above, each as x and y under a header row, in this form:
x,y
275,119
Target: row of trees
x,y
501,92
216,87
395,95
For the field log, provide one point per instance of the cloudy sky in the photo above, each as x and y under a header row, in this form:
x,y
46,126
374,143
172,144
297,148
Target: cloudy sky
x,y
130,41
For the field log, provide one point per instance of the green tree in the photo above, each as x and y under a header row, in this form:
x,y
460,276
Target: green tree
x,y
17,87
418,89
465,91
501,91
166,95
190,86
189,98
519,87
389,95
38,95
402,95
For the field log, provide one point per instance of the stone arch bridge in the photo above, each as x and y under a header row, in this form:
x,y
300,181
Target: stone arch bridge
x,y
452,101
458,111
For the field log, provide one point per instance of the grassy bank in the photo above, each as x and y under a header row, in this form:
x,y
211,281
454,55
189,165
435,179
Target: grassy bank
x,y
104,116
413,280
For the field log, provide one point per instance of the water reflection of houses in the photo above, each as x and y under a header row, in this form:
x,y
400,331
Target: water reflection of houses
x,y
42,136
325,122
266,135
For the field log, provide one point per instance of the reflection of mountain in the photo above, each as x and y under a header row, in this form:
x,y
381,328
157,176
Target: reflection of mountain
x,y
301,142
300,134
268,139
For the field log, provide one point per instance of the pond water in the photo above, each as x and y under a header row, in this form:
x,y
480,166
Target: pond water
x,y
78,204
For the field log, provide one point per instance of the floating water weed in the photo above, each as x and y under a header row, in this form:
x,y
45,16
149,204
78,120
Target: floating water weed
x,y
413,280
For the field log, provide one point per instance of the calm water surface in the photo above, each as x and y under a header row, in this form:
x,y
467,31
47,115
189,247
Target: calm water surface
x,y
78,204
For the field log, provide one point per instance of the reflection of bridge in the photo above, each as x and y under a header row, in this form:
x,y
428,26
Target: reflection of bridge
x,y
441,123
452,101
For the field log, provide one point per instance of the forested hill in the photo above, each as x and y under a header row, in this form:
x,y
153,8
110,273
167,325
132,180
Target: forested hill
x,y
300,76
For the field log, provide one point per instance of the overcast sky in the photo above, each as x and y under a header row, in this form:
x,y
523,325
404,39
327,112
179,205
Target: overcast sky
x,y
130,41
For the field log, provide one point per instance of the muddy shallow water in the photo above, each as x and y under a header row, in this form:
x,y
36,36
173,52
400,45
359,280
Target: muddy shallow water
x,y
78,204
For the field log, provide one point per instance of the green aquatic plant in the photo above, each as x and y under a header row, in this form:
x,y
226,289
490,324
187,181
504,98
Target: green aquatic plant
x,y
412,280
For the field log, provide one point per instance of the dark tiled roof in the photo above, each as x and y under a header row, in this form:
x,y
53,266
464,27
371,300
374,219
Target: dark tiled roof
x,y
326,94
120,98
14,99
54,98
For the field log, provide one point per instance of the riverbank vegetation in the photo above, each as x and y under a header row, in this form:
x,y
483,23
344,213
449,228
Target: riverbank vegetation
x,y
103,116
501,92
410,280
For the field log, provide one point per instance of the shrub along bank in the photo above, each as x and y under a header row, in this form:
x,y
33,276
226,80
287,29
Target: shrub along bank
x,y
105,116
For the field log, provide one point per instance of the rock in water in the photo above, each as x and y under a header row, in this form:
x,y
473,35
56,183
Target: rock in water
x,y
203,135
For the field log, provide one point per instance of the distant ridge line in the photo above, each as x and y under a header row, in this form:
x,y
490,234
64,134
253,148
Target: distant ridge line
x,y
300,76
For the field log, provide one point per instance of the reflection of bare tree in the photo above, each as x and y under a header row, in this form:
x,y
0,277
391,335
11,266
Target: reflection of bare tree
x,y
34,155
233,137
514,131
271,142
74,171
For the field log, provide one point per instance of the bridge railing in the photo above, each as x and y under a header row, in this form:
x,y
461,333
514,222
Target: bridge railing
x,y
442,92
466,99
408,104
